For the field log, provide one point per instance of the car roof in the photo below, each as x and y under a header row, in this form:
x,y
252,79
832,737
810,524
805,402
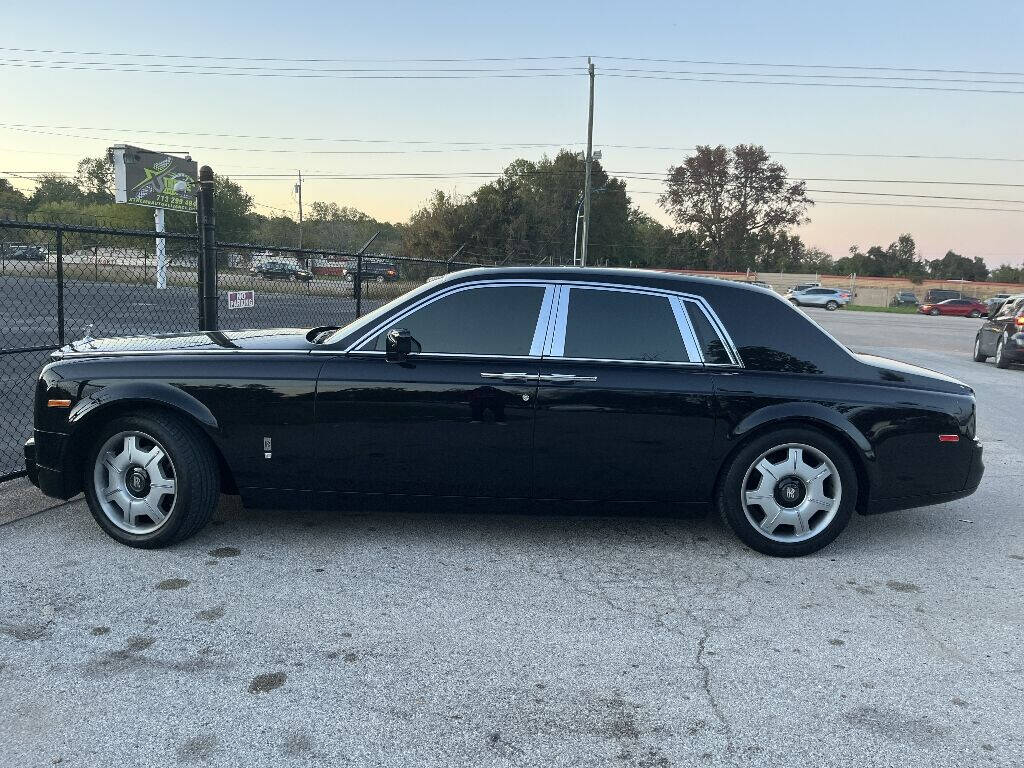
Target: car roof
x,y
641,277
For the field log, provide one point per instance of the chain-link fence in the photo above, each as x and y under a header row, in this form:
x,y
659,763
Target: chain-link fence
x,y
61,282
304,287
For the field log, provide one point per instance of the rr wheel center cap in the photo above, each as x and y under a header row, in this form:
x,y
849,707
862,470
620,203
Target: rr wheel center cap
x,y
790,492
136,479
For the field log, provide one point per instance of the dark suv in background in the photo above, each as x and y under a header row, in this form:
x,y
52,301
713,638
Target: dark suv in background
x,y
935,295
1002,335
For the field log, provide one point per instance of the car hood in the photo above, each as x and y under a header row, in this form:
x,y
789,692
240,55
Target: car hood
x,y
276,340
896,372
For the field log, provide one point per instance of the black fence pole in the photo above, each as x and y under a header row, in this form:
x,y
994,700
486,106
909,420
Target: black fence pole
x,y
60,287
208,256
357,285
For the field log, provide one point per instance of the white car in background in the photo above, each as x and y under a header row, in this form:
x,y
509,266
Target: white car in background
x,y
829,298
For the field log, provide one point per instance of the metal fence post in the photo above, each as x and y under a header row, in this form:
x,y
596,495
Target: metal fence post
x,y
60,287
208,253
357,285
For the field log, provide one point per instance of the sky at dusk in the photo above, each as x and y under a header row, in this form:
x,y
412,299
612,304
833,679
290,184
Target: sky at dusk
x,y
52,112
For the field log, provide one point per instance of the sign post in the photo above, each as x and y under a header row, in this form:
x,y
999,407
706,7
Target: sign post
x,y
161,250
158,181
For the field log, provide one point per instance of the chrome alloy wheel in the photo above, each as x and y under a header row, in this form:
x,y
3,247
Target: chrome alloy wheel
x,y
135,482
791,493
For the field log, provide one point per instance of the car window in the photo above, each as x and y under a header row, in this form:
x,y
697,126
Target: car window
x,y
487,320
711,344
621,325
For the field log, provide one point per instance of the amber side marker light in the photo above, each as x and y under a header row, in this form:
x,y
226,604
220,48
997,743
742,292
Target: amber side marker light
x,y
949,438
56,403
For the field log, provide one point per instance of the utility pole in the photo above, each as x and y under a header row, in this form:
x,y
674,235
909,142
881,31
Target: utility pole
x,y
298,189
590,158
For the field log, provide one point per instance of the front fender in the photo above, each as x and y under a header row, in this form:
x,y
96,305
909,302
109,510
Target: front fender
x,y
142,391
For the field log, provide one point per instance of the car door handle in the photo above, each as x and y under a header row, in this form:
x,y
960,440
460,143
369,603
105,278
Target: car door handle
x,y
512,376
564,378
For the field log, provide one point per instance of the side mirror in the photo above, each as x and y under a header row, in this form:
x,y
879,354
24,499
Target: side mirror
x,y
399,343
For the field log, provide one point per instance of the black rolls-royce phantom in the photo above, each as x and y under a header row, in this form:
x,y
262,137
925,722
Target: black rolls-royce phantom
x,y
535,384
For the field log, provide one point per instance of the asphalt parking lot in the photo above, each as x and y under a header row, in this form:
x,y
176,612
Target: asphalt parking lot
x,y
495,640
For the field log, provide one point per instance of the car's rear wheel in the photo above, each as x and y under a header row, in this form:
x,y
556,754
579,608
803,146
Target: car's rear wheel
x,y
379,279
832,306
150,480
292,278
978,356
789,492
934,313
1000,356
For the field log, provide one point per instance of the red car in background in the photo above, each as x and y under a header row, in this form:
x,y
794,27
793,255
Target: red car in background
x,y
966,307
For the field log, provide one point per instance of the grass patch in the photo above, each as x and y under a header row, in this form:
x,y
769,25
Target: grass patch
x,y
890,310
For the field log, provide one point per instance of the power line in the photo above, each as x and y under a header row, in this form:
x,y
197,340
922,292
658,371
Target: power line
x,y
310,75
560,57
809,66
26,128
806,75
949,89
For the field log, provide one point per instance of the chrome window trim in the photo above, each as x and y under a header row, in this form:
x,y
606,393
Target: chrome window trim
x,y
536,283
700,301
540,331
662,363
693,350
555,345
555,334
556,349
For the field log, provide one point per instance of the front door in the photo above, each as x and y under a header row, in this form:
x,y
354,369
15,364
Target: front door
x,y
625,408
456,419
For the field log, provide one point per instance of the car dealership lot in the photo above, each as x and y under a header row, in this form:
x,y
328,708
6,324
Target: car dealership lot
x,y
515,640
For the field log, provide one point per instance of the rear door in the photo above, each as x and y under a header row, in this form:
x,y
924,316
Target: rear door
x,y
625,407
994,327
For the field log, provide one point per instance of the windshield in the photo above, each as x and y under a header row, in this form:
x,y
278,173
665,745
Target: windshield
x,y
370,318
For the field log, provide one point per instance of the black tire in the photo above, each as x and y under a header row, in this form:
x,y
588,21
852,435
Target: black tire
x,y
292,278
730,489
195,472
935,313
379,279
978,356
832,306
974,313
1001,361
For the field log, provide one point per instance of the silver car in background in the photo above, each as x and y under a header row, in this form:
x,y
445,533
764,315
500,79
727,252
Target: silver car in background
x,y
828,298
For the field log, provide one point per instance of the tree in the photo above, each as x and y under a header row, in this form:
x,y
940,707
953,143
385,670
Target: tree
x,y
55,188
899,259
1005,273
95,179
734,202
11,198
233,209
953,266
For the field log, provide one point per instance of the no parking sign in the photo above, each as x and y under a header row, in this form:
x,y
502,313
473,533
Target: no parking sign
x,y
241,299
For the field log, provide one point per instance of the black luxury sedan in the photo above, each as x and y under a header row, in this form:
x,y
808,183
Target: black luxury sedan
x,y
536,385
282,270
1002,335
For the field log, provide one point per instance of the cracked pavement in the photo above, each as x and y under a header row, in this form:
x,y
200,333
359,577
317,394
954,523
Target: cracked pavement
x,y
503,640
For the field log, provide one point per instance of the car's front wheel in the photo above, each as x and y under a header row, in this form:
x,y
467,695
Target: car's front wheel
x,y
974,313
150,480
979,357
934,313
789,492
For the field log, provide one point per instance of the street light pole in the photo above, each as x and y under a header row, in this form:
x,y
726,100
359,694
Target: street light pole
x,y
298,188
590,158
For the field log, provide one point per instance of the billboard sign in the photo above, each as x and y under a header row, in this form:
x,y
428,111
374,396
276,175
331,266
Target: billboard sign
x,y
154,179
